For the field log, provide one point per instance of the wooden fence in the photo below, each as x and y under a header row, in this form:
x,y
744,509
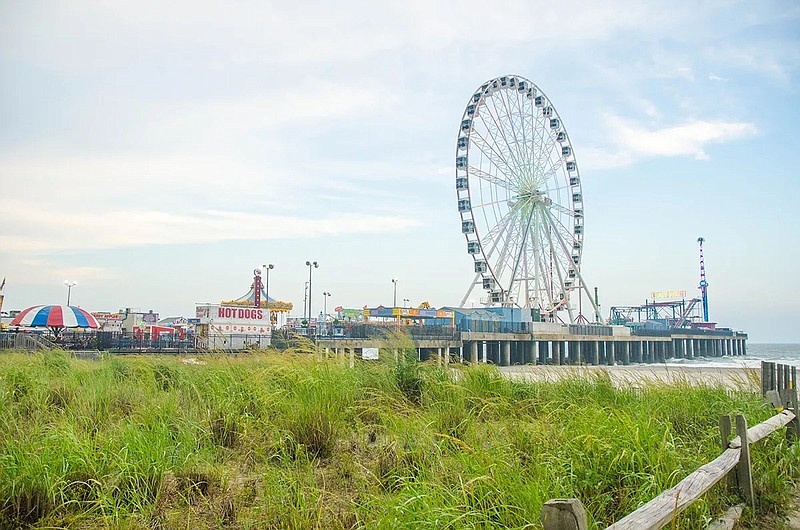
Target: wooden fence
x,y
779,384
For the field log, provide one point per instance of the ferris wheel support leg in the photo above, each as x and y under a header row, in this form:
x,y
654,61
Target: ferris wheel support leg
x,y
578,273
558,269
570,313
589,296
519,259
471,287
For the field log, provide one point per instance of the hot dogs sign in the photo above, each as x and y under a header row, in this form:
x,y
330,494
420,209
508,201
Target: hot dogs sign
x,y
232,319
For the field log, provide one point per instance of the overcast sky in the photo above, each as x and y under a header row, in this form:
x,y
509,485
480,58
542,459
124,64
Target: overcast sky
x,y
158,152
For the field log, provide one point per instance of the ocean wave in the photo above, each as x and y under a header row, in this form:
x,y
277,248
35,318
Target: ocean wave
x,y
779,353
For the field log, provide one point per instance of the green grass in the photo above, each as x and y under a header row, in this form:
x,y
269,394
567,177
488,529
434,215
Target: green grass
x,y
271,440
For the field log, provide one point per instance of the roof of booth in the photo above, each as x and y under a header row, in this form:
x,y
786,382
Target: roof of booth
x,y
249,300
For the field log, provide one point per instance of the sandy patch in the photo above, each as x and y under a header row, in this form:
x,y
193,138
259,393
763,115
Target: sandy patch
x,y
738,378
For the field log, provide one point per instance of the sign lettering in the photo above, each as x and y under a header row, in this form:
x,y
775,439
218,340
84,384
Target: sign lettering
x,y
667,295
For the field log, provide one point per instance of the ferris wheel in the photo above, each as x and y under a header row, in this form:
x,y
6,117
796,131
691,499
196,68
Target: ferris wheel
x,y
520,199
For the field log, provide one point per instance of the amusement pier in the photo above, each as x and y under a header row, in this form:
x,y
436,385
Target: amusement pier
x,y
504,343
519,196
520,205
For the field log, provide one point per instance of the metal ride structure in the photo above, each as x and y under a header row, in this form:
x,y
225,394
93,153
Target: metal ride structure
x,y
678,313
520,199
703,283
257,288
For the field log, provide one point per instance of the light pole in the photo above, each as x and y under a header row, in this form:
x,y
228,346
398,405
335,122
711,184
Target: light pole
x,y
305,300
311,264
70,285
405,302
267,268
326,294
394,298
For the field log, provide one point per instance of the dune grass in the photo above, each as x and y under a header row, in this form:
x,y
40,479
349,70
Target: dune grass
x,y
269,440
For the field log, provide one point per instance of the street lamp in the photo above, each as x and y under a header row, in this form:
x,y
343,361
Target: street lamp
x,y
394,299
305,300
326,294
310,264
70,285
267,268
405,302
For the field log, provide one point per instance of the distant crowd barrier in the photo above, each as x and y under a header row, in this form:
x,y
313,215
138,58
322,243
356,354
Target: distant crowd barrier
x,y
380,331
25,341
128,342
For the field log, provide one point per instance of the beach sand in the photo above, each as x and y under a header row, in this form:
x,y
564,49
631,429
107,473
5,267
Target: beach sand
x,y
735,378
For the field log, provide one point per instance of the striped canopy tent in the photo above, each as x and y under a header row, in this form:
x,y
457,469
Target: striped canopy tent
x,y
249,300
55,317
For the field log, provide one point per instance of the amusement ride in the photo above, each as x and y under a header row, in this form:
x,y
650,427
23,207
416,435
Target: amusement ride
x,y
521,201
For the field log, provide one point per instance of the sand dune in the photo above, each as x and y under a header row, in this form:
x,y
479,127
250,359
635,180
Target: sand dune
x,y
739,378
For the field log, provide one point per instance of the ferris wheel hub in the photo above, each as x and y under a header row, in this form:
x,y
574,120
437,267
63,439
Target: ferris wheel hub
x,y
537,197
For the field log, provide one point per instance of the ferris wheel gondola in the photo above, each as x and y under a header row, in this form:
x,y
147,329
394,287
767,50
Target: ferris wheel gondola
x,y
520,199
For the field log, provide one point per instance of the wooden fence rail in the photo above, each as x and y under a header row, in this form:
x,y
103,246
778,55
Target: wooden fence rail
x,y
568,514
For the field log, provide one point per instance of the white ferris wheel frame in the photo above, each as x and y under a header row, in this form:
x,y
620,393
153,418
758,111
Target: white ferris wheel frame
x,y
520,199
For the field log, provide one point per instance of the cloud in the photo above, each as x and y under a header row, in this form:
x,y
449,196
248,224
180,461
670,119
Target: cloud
x,y
633,142
203,170
686,139
43,231
596,158
676,72
714,77
100,34
230,155
227,119
33,270
773,60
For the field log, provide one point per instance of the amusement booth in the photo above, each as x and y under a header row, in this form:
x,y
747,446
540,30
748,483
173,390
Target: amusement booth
x,y
225,327
245,322
257,297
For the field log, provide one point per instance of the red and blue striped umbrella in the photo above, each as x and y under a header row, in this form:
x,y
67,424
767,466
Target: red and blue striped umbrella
x,y
55,316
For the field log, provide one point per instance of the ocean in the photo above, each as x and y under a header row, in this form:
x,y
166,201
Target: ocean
x,y
779,353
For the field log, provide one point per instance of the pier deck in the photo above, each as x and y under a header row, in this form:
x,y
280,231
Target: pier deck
x,y
614,345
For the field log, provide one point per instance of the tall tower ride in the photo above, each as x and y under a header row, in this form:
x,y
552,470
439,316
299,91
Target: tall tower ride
x,y
703,283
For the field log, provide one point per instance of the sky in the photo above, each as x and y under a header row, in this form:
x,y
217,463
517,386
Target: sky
x,y
158,152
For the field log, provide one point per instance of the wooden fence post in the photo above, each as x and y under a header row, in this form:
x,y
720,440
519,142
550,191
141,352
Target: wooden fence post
x,y
773,378
744,475
786,389
793,429
787,381
725,437
564,514
768,373
763,378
